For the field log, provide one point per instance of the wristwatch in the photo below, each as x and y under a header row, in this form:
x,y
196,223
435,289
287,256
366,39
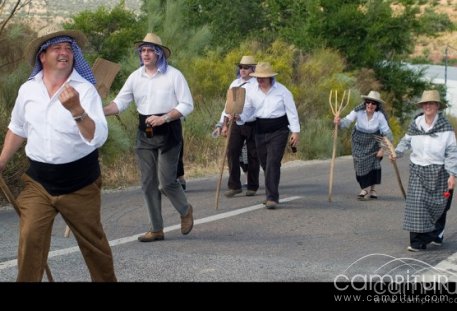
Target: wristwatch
x,y
166,118
80,117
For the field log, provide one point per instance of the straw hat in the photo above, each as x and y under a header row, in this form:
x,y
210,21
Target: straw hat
x,y
154,39
263,70
50,32
373,95
431,96
247,60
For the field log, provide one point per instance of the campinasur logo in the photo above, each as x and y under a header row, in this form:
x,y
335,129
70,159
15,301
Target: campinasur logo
x,y
385,274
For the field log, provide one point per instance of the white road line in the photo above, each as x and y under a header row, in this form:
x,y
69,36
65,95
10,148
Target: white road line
x,y
66,251
446,269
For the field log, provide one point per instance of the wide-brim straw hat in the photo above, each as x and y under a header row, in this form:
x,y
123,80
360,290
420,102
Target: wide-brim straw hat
x,y
263,70
375,96
154,39
247,60
431,96
48,33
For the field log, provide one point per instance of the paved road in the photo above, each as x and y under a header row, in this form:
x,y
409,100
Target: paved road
x,y
307,239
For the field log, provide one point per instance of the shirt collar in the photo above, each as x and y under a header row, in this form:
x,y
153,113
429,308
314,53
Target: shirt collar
x,y
74,76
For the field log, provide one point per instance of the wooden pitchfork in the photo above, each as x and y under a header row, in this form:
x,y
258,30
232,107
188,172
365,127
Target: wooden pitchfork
x,y
336,108
104,72
234,105
388,147
10,197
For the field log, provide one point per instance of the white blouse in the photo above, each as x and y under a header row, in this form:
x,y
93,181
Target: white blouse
x,y
363,124
439,148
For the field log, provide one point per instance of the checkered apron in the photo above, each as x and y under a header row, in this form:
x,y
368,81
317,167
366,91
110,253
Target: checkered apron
x,y
366,165
425,202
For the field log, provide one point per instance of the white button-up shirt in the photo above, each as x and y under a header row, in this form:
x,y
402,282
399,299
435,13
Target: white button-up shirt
x,y
158,94
439,148
52,135
275,104
252,82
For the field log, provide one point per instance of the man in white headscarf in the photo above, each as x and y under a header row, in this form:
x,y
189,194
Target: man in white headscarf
x,y
162,97
59,113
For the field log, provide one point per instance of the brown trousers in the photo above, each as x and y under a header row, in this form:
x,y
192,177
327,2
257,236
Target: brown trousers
x,y
81,211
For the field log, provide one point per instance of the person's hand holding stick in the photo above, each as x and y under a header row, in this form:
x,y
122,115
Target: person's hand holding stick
x,y
336,108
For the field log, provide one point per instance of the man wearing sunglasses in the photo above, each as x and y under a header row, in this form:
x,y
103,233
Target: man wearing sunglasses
x,y
242,133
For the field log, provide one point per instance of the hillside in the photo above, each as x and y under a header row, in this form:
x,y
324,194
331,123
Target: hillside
x,y
43,12
433,49
40,13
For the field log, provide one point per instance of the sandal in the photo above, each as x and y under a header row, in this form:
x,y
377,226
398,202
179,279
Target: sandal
x,y
363,195
373,194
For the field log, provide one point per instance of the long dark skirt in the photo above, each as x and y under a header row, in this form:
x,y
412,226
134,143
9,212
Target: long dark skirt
x,y
366,165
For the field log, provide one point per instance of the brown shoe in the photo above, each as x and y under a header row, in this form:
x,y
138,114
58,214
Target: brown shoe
x,y
151,236
232,192
187,222
271,204
250,193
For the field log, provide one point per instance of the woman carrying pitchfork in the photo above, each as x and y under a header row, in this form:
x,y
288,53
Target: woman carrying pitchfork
x,y
366,152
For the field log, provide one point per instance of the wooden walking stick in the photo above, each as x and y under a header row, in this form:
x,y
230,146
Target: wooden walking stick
x,y
336,108
234,105
10,197
387,145
104,72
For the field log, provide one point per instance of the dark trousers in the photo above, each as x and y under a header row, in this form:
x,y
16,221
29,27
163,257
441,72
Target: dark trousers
x,y
420,239
270,149
180,171
158,166
238,135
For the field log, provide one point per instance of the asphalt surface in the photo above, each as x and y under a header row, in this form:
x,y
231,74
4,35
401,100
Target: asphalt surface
x,y
306,239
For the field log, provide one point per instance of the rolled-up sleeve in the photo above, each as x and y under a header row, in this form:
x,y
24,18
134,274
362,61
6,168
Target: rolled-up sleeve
x,y
17,122
183,95
348,120
125,95
291,111
450,157
92,104
403,146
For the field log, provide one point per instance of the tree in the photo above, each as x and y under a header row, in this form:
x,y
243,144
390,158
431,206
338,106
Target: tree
x,y
168,20
230,21
9,10
111,33
12,36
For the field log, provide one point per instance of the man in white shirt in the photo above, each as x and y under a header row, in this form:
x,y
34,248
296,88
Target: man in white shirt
x,y
273,106
59,113
162,97
242,133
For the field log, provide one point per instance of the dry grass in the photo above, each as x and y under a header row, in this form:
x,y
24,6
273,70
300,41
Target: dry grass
x,y
433,49
125,173
121,174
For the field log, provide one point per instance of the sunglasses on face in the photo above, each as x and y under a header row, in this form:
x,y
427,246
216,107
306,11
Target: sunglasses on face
x,y
370,102
244,67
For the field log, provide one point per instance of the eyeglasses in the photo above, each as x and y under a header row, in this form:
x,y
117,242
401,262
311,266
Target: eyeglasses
x,y
371,102
244,67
